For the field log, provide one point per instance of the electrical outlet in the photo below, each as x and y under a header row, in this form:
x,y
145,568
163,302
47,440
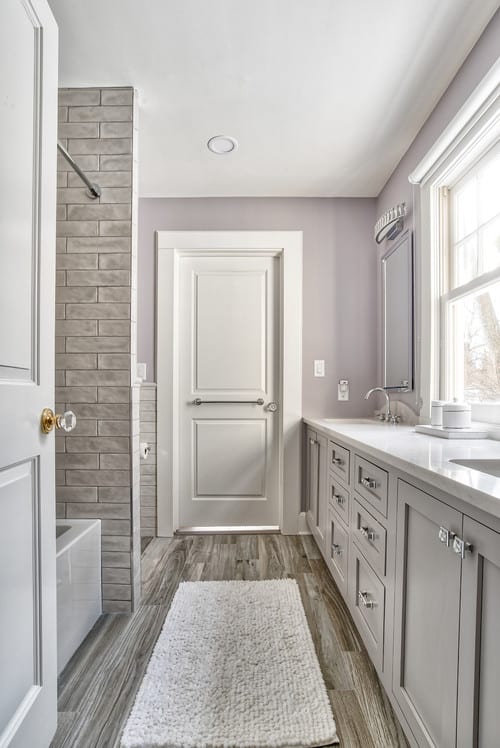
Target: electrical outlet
x,y
319,368
343,389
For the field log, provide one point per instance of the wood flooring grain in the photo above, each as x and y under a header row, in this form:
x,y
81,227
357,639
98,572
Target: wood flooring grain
x,y
348,635
99,684
65,723
352,728
384,728
161,582
325,638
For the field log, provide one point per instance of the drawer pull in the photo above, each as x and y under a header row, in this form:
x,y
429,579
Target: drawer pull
x,y
365,601
312,441
461,546
367,533
339,498
368,482
337,461
446,536
336,549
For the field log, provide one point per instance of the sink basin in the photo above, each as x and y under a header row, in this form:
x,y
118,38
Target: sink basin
x,y
492,467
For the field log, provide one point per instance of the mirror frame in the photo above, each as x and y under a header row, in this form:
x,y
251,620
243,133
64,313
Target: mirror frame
x,y
405,238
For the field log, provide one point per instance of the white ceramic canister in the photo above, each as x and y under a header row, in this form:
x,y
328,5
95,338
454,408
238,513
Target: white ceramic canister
x,y
456,415
437,412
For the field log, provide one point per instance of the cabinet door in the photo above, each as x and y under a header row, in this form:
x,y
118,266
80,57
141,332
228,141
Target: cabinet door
x,y
322,499
427,609
312,477
317,497
367,600
478,701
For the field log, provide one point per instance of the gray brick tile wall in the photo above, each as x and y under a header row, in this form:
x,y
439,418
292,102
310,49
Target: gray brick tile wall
x,y
97,467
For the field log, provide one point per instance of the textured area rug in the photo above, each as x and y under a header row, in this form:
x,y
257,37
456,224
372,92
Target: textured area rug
x,y
234,667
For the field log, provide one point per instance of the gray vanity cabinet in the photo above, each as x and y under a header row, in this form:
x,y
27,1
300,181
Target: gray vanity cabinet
x,y
427,614
422,582
316,485
479,668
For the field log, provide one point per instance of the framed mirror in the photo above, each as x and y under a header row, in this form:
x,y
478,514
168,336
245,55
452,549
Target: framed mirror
x,y
397,315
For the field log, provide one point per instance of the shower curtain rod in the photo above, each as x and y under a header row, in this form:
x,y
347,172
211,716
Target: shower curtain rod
x,y
94,189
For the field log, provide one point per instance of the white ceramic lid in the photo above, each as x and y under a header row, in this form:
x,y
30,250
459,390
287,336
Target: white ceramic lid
x,y
456,406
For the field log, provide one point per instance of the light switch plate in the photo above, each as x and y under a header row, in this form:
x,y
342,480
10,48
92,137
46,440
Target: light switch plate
x,y
343,389
319,368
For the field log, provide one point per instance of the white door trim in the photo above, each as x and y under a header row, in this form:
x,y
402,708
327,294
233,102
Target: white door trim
x,y
288,246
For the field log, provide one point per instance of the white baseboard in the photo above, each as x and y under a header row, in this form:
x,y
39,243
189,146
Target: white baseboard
x,y
302,524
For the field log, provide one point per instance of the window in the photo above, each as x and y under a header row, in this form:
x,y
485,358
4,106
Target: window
x,y
457,235
470,304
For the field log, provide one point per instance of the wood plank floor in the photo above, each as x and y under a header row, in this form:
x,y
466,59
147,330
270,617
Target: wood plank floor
x,y
98,686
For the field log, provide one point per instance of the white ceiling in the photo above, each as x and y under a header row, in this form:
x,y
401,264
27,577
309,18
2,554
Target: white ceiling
x,y
323,96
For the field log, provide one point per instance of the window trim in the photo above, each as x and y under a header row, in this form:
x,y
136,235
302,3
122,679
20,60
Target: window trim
x,y
472,132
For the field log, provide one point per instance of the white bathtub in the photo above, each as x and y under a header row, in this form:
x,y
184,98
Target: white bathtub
x,y
78,552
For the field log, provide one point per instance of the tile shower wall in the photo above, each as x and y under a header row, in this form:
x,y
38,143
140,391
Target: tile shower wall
x,y
98,463
148,467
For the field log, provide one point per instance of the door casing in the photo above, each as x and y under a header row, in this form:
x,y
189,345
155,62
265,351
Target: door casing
x,y
287,246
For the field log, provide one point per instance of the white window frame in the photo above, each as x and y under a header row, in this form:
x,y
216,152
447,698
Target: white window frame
x,y
472,132
451,381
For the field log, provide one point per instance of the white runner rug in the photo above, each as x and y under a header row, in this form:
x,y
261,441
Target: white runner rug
x,y
234,667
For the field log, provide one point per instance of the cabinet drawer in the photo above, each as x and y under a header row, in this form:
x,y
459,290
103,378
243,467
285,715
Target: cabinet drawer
x,y
339,498
367,597
371,482
339,461
337,549
370,536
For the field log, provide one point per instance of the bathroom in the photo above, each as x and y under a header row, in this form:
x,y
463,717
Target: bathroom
x,y
226,237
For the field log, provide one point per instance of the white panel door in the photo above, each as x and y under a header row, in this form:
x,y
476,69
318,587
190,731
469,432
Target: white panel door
x,y
28,113
228,346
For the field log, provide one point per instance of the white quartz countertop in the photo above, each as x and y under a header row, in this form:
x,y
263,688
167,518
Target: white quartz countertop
x,y
425,457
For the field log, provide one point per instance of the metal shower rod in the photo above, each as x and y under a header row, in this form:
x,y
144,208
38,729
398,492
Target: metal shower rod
x,y
94,189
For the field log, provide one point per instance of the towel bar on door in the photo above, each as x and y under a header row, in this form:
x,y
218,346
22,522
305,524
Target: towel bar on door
x,y
199,401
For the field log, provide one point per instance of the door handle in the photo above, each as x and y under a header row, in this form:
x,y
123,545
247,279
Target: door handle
x,y
65,421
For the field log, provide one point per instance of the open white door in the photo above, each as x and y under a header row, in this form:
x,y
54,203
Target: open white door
x,y
28,122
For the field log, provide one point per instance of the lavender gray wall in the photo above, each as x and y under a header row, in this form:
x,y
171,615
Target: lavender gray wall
x,y
339,276
398,189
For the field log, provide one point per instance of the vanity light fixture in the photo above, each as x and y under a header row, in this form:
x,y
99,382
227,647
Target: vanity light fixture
x,y
390,224
222,144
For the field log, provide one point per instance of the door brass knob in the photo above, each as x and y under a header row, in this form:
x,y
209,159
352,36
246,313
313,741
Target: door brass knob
x,y
65,421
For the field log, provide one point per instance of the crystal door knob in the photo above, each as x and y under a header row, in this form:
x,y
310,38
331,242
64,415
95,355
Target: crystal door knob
x,y
65,421
272,407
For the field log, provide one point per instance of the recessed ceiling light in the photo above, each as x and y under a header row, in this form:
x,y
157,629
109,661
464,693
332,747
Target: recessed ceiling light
x,y
222,144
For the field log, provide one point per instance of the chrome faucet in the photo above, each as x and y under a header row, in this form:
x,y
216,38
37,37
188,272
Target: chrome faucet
x,y
387,416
